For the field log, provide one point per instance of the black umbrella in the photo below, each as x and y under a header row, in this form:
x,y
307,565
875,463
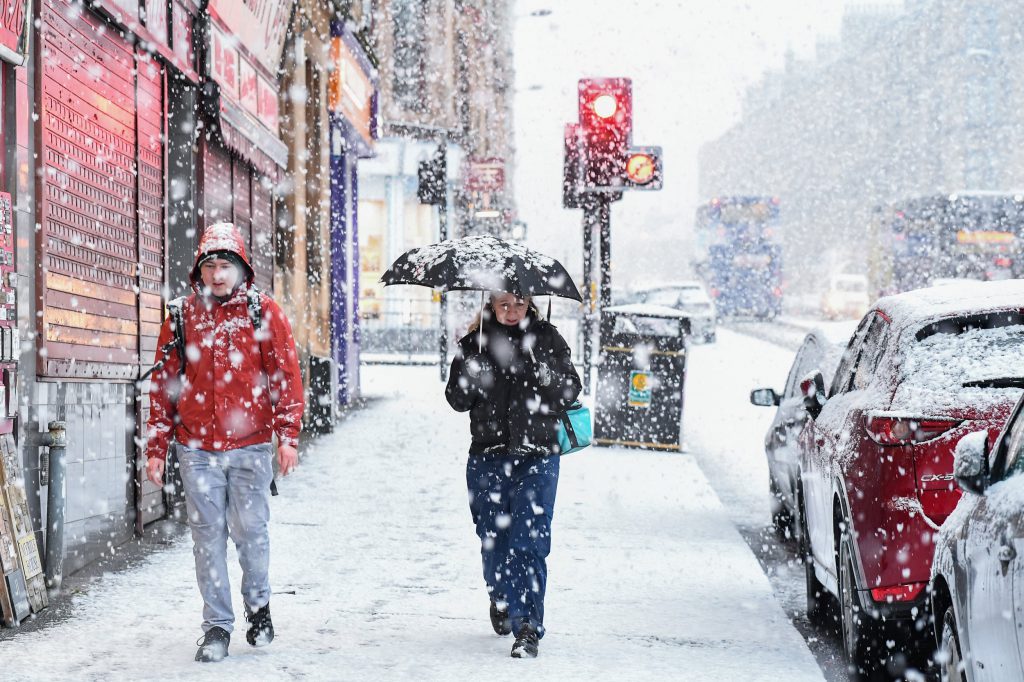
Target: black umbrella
x,y
482,263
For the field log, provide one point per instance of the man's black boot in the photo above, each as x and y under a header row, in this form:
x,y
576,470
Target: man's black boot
x,y
499,619
526,643
261,628
213,646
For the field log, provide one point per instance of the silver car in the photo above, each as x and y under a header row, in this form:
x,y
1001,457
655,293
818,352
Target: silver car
x,y
781,444
688,296
977,583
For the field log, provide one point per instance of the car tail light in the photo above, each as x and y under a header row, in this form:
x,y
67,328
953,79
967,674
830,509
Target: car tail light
x,y
903,593
904,430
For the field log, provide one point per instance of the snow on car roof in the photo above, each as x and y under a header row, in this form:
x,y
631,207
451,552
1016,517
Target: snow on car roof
x,y
684,284
944,301
647,310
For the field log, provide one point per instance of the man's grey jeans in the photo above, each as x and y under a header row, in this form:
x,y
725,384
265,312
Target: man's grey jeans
x,y
228,493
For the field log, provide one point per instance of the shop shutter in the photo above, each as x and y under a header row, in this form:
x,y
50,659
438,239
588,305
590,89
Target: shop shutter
x,y
88,242
150,200
242,200
216,184
150,127
263,232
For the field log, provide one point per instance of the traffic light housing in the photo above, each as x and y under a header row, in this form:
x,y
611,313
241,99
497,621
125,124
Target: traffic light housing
x,y
571,167
606,126
433,179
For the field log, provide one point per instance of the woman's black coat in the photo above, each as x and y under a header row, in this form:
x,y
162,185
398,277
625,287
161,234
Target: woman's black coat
x,y
514,389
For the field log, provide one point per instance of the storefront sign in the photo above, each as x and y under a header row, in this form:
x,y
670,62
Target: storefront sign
x,y
156,20
350,90
224,62
13,30
181,34
259,25
486,175
248,96
267,96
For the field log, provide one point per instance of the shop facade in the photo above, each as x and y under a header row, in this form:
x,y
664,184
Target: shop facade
x,y
352,101
152,119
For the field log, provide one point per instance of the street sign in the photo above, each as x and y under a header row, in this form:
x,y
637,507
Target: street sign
x,y
486,175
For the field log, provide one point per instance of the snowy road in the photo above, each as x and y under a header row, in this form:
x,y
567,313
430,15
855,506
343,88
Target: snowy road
x,y
376,570
726,433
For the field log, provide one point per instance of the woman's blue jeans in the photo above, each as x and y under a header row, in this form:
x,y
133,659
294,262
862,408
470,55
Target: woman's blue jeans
x,y
512,500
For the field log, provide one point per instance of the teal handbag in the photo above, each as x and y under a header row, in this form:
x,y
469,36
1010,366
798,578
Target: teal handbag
x,y
575,430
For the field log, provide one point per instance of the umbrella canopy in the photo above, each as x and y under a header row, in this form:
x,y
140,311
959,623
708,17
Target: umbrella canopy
x,y
482,263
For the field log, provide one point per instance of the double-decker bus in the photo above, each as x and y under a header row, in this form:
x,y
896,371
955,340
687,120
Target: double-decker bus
x,y
738,254
970,234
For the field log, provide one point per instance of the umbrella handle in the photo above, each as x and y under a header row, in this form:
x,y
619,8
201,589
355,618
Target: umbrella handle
x,y
480,329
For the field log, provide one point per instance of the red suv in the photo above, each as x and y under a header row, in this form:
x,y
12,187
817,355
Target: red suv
x,y
923,369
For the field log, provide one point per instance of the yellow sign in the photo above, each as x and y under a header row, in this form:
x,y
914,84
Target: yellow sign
x,y
639,389
984,237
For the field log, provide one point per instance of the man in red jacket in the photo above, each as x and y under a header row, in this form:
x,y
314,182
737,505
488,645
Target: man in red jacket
x,y
223,398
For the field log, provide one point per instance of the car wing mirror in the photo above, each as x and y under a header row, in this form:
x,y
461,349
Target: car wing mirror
x,y
765,397
812,387
970,462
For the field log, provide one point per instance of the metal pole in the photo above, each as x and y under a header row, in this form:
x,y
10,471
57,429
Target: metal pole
x,y
605,224
590,219
56,496
442,214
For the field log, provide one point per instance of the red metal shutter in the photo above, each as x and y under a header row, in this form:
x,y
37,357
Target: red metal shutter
x,y
87,192
263,232
150,127
151,201
242,200
216,184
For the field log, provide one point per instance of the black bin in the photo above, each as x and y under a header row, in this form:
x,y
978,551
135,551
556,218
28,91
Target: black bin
x,y
640,378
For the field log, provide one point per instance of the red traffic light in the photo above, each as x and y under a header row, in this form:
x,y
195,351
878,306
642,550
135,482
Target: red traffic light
x,y
605,107
640,168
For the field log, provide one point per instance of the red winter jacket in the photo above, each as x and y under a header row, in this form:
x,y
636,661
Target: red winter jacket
x,y
235,391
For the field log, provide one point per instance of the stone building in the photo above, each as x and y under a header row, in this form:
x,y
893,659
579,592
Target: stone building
x,y
445,87
912,103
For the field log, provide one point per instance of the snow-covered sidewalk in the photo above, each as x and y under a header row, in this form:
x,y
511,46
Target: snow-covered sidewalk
x,y
376,573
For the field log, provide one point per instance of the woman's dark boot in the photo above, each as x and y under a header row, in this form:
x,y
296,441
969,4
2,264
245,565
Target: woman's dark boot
x,y
526,643
499,619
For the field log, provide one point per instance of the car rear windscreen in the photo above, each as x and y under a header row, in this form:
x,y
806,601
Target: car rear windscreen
x,y
967,350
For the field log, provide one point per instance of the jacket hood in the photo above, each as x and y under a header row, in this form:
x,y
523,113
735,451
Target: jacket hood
x,y
217,238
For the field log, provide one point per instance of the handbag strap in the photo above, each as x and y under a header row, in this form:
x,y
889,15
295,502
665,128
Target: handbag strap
x,y
570,432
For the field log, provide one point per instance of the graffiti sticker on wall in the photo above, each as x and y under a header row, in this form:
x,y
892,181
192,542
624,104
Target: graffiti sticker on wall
x,y
639,389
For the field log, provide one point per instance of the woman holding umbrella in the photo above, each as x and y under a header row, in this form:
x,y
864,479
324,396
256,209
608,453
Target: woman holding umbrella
x,y
514,375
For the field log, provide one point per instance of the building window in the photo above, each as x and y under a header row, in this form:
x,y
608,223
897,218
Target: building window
x,y
408,83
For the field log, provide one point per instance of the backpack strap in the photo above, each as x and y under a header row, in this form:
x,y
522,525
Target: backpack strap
x,y
255,306
176,309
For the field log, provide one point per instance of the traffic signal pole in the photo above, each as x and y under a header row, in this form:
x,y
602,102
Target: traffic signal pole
x,y
604,222
599,163
589,222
